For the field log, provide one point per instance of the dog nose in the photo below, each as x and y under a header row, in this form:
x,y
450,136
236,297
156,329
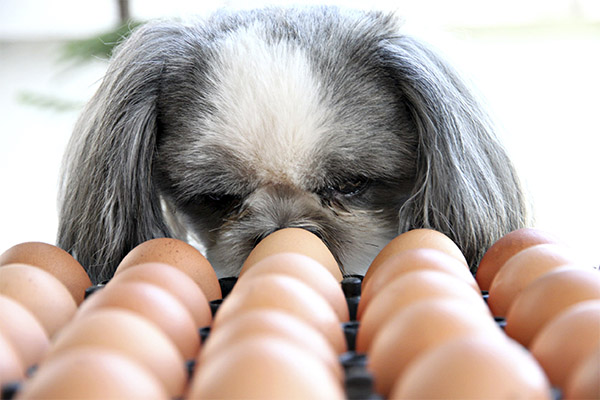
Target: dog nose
x,y
312,229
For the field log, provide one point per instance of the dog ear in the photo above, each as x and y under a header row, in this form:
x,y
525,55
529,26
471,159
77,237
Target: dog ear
x,y
107,201
466,185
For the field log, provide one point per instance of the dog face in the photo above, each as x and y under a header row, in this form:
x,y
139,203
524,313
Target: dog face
x,y
286,143
332,121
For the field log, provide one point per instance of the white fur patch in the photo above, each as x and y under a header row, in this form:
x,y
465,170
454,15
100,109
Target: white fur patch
x,y
271,113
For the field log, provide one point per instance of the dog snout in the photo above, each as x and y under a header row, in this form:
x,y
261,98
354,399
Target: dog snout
x,y
283,206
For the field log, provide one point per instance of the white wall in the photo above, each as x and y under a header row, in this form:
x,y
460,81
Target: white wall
x,y
541,81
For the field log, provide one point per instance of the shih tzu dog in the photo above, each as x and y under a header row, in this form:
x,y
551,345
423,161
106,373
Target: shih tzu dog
x,y
225,130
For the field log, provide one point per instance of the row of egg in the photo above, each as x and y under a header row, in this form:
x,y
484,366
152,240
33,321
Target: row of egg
x,y
427,330
40,289
551,304
278,333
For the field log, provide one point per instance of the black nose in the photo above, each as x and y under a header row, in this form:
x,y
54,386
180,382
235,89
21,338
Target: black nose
x,y
264,234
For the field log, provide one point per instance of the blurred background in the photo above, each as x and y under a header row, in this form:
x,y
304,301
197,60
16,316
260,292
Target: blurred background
x,y
536,62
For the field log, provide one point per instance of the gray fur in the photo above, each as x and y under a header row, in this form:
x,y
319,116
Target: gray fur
x,y
396,141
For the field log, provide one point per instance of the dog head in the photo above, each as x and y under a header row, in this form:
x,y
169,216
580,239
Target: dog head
x,y
228,129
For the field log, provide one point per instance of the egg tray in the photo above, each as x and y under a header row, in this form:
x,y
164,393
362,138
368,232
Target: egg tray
x,y
358,381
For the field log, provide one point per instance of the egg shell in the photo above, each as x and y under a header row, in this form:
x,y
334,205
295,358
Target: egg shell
x,y
415,239
25,332
546,297
93,373
504,248
522,269
180,255
413,260
406,289
11,366
418,327
129,334
265,368
584,381
53,260
294,240
155,304
567,339
308,271
40,292
474,367
271,323
289,294
176,282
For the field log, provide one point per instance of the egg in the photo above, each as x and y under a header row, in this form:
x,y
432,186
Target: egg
x,y
40,292
25,332
294,240
546,297
129,334
265,368
180,255
154,303
584,381
53,260
415,239
474,367
504,248
418,327
406,289
275,324
413,260
305,269
522,269
567,339
289,294
11,366
176,282
93,373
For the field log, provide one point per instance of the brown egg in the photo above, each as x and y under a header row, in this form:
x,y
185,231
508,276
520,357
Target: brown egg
x,y
414,260
474,367
40,292
545,298
129,334
584,381
154,303
290,295
54,260
93,373
180,255
305,269
504,248
415,239
418,327
22,328
567,339
11,366
522,269
176,282
294,240
271,323
265,368
406,289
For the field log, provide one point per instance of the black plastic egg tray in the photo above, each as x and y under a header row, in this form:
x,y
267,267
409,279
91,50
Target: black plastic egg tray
x,y
358,381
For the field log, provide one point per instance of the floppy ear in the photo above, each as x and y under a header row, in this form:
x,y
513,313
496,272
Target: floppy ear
x,y
466,184
107,202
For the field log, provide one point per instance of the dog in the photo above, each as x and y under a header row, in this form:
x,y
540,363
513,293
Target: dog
x,y
221,131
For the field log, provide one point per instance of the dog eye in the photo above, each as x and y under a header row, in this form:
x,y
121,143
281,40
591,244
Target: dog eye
x,y
224,199
350,188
